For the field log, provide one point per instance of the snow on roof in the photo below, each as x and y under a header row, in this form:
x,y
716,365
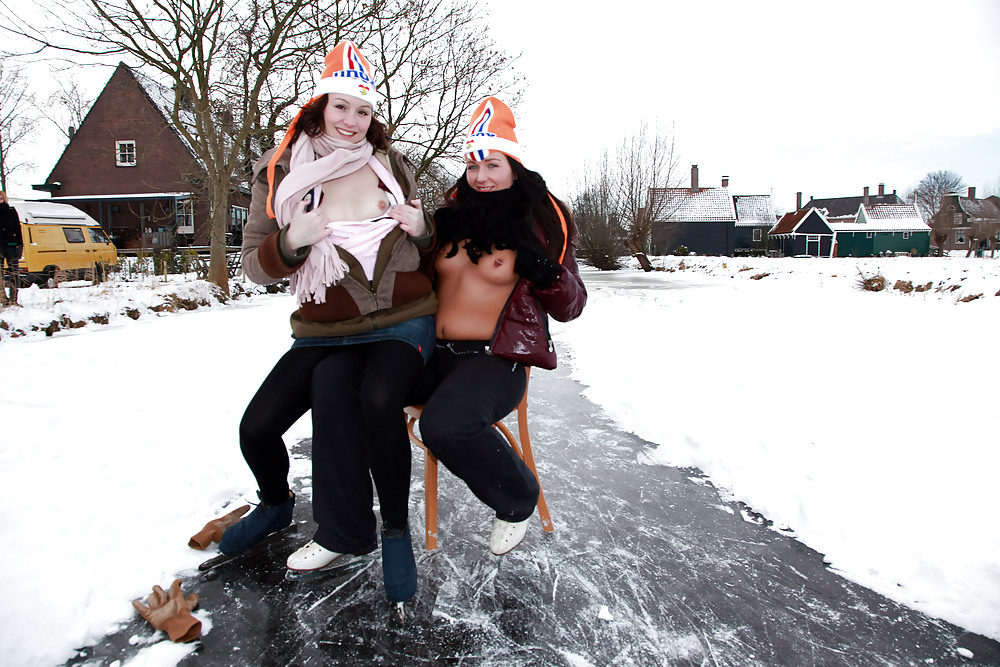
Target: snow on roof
x,y
840,206
685,205
980,209
754,210
163,99
883,218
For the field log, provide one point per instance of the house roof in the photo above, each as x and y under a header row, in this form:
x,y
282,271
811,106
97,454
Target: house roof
x,y
687,205
754,210
163,99
884,218
980,209
789,222
837,207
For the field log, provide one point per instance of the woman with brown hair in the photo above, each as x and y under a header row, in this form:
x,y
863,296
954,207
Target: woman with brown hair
x,y
331,208
504,262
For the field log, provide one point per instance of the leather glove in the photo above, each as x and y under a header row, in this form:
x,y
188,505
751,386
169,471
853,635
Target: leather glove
x,y
171,612
212,532
532,263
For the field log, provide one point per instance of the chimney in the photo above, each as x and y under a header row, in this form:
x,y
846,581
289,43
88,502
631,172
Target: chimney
x,y
694,178
725,181
72,132
881,189
866,195
798,201
972,193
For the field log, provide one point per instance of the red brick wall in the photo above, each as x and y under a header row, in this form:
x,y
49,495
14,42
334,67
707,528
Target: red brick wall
x,y
123,112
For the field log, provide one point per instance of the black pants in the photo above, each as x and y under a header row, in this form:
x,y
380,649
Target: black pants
x,y
356,394
465,391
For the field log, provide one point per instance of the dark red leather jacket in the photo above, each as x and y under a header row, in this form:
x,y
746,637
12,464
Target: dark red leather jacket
x,y
522,332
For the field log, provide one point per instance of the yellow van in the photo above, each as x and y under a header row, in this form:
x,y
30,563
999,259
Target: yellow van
x,y
60,237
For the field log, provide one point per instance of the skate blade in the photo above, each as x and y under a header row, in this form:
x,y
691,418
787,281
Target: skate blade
x,y
334,570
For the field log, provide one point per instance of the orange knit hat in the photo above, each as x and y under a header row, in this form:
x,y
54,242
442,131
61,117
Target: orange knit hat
x,y
347,72
492,129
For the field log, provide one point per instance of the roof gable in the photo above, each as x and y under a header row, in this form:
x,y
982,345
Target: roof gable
x,y
124,111
805,221
843,206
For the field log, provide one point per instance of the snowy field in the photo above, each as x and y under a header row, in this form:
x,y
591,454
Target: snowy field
x,y
862,423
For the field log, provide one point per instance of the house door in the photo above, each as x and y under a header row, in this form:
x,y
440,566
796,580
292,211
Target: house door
x,y
812,245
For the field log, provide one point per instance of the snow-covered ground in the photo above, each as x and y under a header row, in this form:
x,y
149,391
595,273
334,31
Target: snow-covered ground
x,y
862,423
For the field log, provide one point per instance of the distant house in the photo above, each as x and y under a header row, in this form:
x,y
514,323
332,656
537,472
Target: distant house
x,y
804,232
841,208
966,221
709,221
754,219
882,229
131,170
874,230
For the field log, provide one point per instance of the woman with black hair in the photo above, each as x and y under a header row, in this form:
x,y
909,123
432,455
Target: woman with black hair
x,y
504,263
332,209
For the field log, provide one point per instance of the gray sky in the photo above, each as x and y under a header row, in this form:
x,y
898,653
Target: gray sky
x,y
783,96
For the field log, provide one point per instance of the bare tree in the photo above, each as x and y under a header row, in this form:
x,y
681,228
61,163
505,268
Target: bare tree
x,y
239,68
601,239
187,43
932,187
17,118
436,63
623,196
66,107
432,63
644,162
927,196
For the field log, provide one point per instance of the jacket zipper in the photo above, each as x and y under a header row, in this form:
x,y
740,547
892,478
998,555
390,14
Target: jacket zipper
x,y
503,311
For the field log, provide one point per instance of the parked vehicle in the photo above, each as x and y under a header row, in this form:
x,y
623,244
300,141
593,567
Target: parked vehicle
x,y
60,238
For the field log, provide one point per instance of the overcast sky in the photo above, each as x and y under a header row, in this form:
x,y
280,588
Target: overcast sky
x,y
818,97
786,96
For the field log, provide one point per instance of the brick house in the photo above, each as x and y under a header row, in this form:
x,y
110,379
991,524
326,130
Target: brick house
x,y
129,169
968,223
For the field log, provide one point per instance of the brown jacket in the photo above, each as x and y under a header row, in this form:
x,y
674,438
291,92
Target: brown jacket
x,y
399,291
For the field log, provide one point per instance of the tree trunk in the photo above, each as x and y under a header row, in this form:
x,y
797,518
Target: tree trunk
x,y
639,254
218,268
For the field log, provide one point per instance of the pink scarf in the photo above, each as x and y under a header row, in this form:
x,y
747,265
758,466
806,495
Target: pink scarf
x,y
314,161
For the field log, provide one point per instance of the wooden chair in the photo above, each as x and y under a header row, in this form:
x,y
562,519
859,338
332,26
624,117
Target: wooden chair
x,y
523,450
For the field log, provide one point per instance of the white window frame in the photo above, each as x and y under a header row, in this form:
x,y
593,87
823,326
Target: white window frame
x,y
906,235
239,215
758,234
185,217
123,150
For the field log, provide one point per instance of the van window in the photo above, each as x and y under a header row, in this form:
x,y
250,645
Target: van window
x,y
97,235
74,235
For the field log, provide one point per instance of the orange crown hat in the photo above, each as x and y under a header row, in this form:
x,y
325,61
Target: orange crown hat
x,y
492,129
347,72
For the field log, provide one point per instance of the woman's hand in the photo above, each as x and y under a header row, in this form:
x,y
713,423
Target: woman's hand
x,y
306,228
410,217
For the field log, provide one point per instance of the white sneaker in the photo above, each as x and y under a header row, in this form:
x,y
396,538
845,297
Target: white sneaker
x,y
311,557
507,535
